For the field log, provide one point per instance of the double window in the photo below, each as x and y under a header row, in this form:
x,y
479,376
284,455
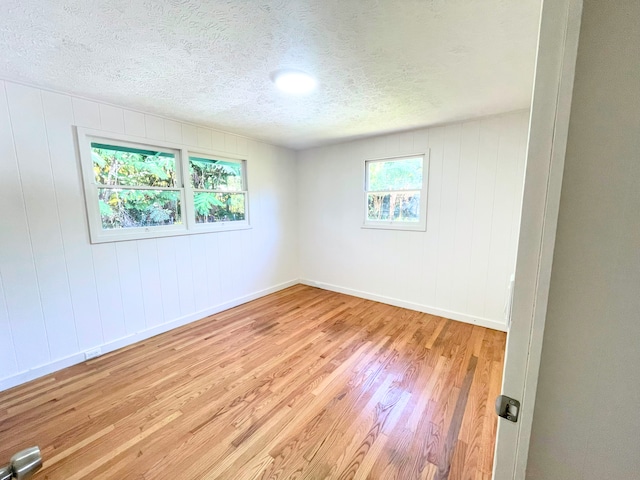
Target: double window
x,y
135,190
396,193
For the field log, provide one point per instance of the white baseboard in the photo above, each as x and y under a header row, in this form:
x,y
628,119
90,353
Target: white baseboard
x,y
461,317
36,372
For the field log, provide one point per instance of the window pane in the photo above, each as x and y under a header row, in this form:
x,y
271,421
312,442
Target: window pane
x,y
126,208
219,207
397,207
405,174
124,166
210,174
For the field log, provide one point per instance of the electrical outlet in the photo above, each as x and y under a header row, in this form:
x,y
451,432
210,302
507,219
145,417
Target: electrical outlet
x,y
89,354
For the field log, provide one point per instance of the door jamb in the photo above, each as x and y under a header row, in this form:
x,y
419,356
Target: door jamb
x,y
548,148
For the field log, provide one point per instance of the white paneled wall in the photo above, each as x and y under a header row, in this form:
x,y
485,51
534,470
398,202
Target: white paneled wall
x,y
60,295
461,266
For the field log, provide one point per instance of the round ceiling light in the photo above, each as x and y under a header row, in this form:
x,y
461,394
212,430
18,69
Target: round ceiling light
x,y
293,82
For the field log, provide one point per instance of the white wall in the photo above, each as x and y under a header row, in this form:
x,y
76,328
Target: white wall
x,y
461,266
586,424
60,295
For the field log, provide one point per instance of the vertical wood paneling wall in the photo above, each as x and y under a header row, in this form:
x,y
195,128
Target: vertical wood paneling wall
x,y
60,295
461,266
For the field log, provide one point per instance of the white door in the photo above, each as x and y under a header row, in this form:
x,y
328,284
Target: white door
x,y
553,85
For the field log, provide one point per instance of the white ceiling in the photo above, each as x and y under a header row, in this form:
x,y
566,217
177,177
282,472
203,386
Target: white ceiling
x,y
382,65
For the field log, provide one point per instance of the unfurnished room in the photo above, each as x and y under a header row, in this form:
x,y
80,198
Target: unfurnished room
x,y
304,239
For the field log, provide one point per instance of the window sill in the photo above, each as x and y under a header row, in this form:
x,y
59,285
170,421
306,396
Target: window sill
x,y
395,226
219,227
145,235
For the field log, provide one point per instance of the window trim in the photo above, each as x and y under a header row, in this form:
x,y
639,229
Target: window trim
x,y
85,136
421,225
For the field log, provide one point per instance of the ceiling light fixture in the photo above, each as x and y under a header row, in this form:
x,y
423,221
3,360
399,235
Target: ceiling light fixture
x,y
294,82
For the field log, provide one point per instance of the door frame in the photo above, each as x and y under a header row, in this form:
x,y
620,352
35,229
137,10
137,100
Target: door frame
x,y
548,130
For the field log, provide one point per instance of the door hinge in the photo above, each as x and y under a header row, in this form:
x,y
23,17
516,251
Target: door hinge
x,y
507,407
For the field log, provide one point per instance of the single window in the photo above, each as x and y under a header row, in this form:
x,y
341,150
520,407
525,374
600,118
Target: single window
x,y
219,192
395,193
135,190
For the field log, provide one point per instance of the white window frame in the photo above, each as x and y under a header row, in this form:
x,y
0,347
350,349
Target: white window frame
x,y
419,226
190,191
97,234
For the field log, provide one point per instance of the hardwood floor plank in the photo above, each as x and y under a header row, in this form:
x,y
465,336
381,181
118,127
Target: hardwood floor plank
x,y
446,454
303,383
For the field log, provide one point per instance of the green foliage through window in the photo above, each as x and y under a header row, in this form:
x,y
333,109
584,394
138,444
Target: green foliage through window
x,y
219,185
124,166
403,174
219,207
145,187
127,208
218,175
397,207
118,170
394,187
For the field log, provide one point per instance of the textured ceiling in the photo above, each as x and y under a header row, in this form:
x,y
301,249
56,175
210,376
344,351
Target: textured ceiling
x,y
382,65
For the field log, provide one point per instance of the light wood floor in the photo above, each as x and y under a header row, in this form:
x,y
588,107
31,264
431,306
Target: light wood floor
x,y
303,384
